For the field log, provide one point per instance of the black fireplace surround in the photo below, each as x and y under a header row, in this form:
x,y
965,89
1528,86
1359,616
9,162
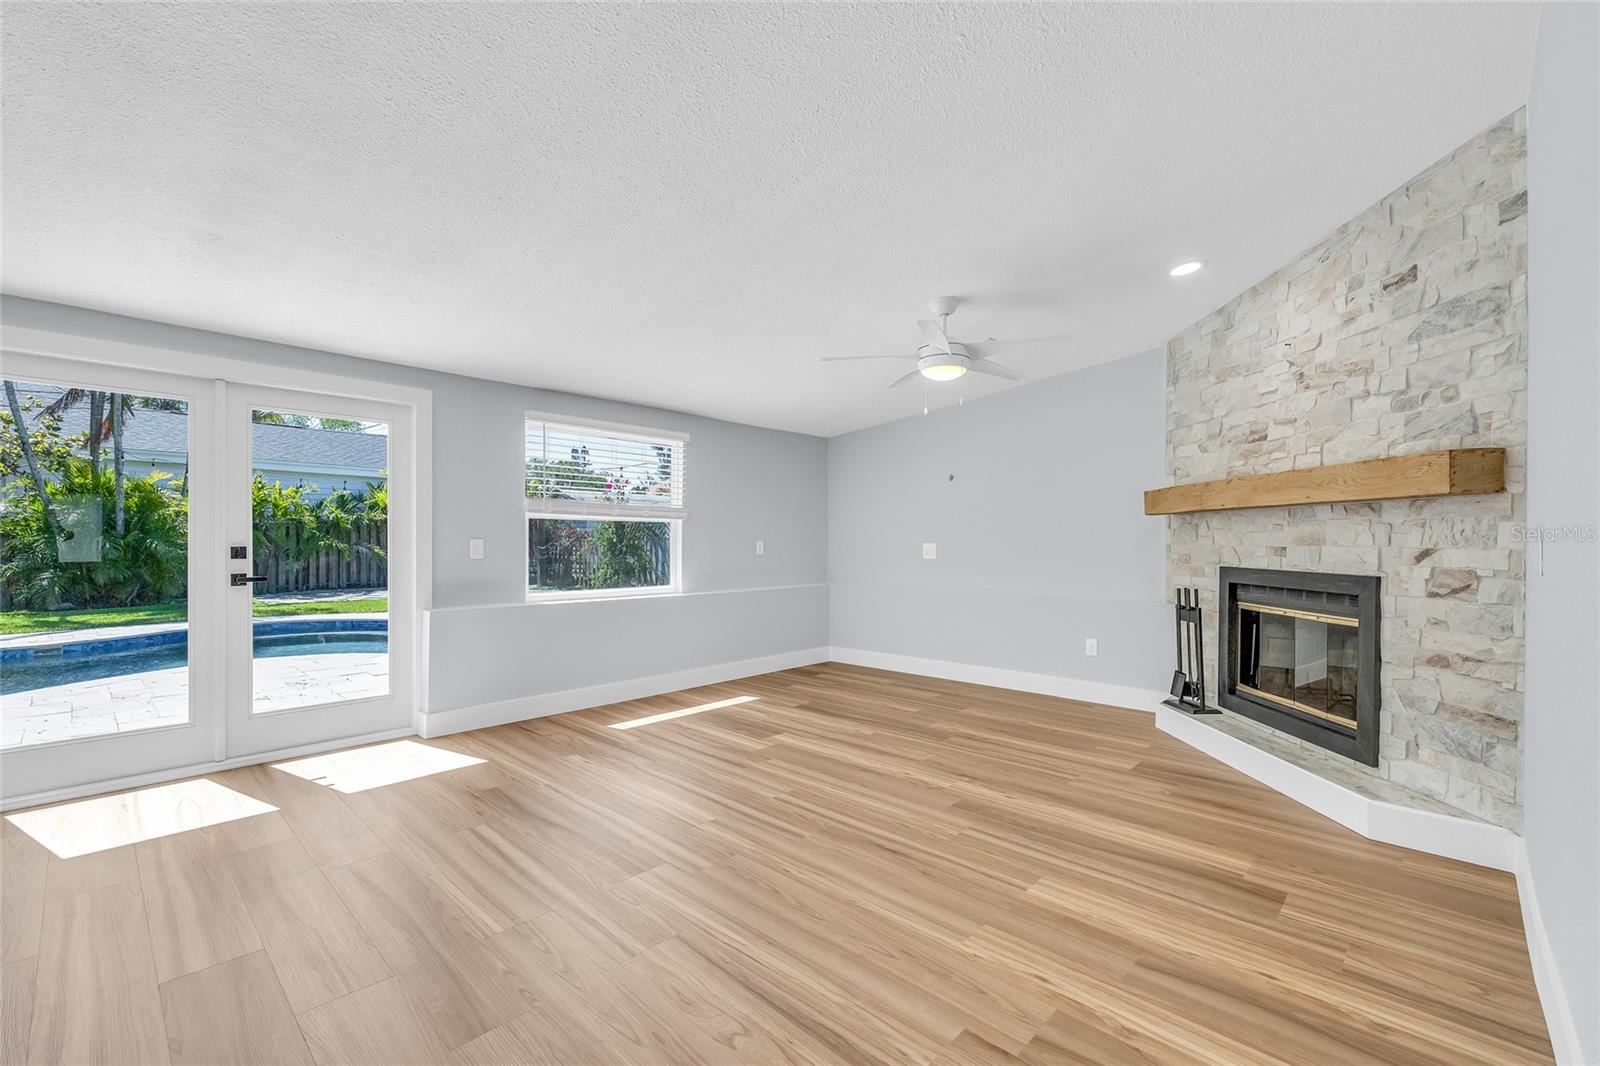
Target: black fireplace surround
x,y
1300,652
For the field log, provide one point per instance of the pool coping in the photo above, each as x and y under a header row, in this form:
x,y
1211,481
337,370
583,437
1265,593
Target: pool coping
x,y
102,639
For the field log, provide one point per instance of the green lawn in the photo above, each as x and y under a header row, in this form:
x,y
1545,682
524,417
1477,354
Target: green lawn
x,y
13,622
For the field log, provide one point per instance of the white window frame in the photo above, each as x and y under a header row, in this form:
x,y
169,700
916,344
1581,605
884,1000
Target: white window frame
x,y
574,511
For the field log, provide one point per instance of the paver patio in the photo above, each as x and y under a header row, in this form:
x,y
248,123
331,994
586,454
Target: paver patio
x,y
156,698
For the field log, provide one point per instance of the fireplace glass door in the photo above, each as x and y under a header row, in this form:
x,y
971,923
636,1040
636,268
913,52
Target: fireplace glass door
x,y
1299,652
1304,660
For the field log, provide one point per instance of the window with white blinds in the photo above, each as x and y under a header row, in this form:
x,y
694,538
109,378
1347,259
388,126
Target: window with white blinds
x,y
603,471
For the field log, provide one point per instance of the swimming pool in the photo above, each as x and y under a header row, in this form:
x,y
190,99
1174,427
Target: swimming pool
x,y
23,669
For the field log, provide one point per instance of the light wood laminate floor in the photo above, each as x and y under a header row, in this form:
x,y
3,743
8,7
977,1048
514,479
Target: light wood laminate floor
x,y
855,866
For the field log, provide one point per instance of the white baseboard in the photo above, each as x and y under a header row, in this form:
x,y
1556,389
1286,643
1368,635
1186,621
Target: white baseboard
x,y
156,777
483,715
1553,999
1070,688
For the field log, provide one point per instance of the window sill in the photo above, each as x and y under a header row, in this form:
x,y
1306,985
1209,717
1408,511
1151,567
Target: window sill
x,y
602,595
610,595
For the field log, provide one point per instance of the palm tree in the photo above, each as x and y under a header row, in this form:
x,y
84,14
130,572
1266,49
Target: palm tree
x,y
121,406
118,460
24,438
278,418
97,423
94,438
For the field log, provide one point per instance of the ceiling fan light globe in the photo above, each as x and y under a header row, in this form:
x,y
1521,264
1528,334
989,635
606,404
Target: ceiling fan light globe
x,y
943,371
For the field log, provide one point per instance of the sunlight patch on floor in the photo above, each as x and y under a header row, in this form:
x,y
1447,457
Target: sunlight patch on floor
x,y
359,769
667,716
92,825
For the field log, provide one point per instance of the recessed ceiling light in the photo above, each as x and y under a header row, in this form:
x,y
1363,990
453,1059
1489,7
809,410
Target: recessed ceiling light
x,y
1183,269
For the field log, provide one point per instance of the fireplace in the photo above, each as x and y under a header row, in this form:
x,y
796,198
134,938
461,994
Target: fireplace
x,y
1299,652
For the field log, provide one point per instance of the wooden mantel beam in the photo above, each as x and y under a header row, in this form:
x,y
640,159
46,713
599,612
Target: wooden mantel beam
x,y
1454,472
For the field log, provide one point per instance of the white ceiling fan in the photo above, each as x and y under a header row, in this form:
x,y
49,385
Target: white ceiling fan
x,y
939,358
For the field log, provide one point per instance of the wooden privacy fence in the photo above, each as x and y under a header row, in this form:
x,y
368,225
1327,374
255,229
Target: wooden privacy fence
x,y
364,566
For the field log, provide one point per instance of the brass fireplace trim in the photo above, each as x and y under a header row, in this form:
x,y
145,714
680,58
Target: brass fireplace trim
x,y
1331,619
1296,704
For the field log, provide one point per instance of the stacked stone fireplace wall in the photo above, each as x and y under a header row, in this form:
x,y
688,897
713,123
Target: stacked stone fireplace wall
x,y
1403,331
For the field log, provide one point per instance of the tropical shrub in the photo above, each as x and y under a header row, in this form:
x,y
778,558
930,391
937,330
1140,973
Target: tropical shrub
x,y
146,563
626,559
286,523
52,450
567,554
289,527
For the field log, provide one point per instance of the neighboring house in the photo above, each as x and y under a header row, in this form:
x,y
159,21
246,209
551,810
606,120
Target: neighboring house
x,y
320,460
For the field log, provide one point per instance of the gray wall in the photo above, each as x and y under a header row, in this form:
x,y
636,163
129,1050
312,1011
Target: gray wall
x,y
588,645
1562,752
1042,540
742,484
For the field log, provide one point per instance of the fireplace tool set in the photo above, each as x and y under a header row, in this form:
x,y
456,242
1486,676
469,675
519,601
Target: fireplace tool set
x,y
1189,679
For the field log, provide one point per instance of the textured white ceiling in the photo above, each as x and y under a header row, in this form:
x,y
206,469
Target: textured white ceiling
x,y
688,205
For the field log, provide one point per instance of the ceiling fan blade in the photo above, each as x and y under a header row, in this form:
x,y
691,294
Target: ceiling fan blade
x,y
854,358
934,335
994,369
990,349
903,378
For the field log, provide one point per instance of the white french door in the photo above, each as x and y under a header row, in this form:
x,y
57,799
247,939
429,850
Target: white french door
x,y
135,638
111,659
319,599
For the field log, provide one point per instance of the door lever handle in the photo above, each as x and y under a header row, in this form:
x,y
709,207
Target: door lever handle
x,y
243,579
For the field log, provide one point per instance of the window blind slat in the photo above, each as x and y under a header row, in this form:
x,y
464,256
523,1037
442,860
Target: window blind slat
x,y
576,470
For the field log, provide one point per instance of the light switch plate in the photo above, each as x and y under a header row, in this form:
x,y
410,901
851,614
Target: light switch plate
x,y
475,548
930,550
761,547
1091,646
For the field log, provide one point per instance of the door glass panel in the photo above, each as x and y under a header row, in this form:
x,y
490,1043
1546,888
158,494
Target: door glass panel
x,y
320,531
94,550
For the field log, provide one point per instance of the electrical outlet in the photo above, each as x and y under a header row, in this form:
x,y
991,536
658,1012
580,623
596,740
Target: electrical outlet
x,y
1091,646
475,548
761,547
930,550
